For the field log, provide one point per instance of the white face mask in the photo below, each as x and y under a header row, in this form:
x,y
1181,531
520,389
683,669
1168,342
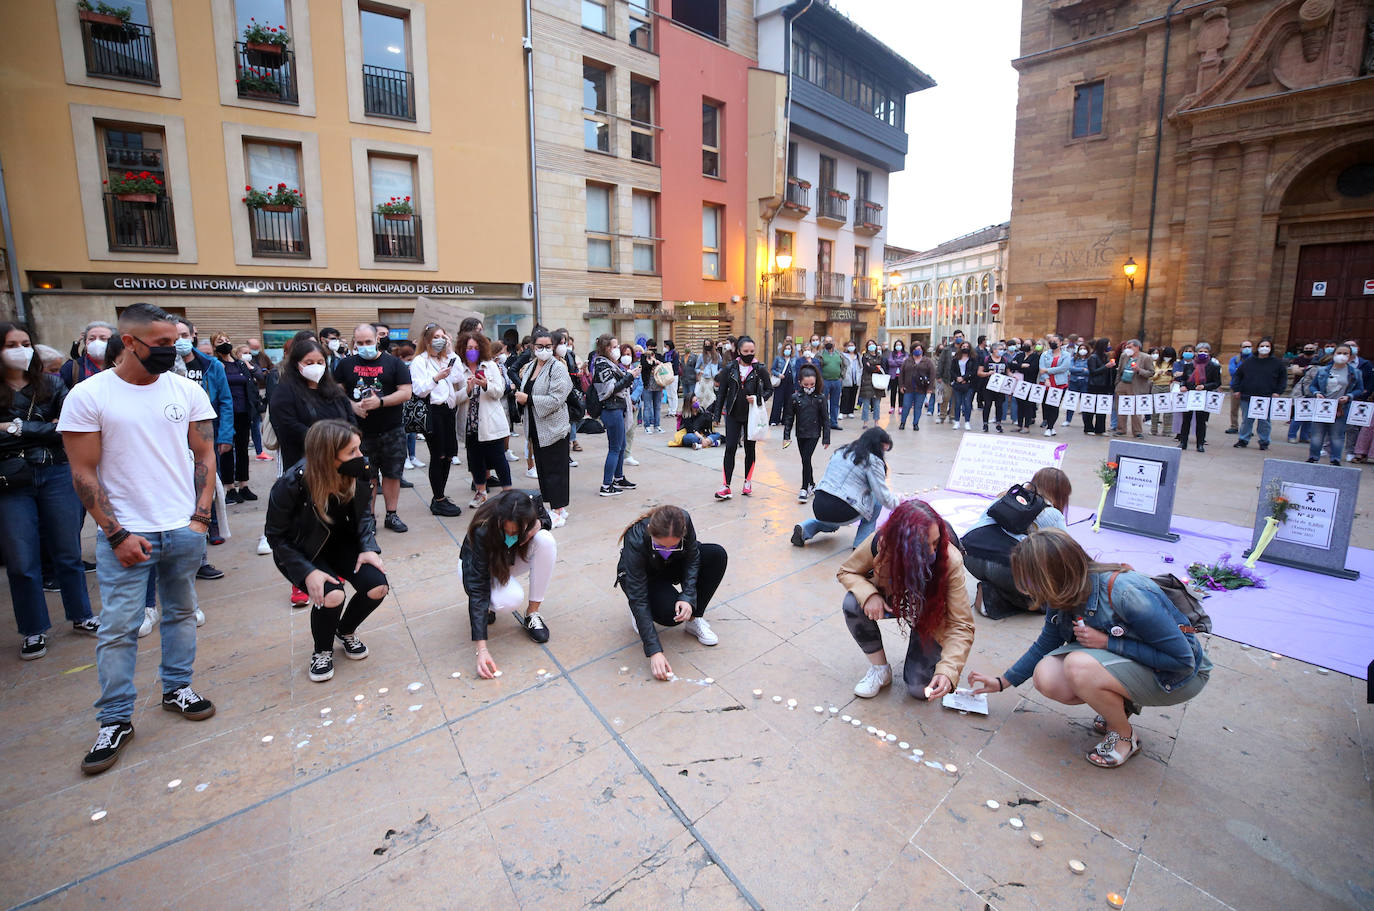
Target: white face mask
x,y
311,372
1335,358
561,350
18,358
626,359
543,354
1264,349
96,348
849,348
246,357
1128,351
334,345
1082,352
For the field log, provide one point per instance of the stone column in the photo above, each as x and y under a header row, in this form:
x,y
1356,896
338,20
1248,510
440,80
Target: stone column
x,y
1186,318
1233,323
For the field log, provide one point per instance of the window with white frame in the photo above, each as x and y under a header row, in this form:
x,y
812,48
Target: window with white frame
x,y
710,241
276,208
600,241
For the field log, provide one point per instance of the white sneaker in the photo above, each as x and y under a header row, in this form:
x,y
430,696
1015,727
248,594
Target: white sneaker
x,y
455,461
263,547
511,457
698,627
572,463
410,463
1049,433
967,425
418,464
878,676
150,616
1066,423
200,617
531,473
559,518
477,500
631,460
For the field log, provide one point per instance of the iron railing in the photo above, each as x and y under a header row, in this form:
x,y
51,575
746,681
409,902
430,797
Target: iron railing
x,y
830,286
140,225
397,238
265,76
116,157
832,206
868,214
791,282
797,196
864,288
276,233
125,51
388,93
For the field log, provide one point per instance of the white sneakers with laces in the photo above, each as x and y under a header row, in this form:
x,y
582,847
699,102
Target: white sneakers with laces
x,y
150,617
878,676
698,627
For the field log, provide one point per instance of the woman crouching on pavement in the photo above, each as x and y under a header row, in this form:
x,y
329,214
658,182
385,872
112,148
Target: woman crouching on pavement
x,y
323,533
1112,638
669,578
913,572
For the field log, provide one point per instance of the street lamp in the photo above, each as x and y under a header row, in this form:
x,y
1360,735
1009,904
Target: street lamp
x,y
1129,268
784,261
894,279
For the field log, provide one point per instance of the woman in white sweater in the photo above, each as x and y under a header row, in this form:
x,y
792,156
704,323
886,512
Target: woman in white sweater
x,y
436,376
484,422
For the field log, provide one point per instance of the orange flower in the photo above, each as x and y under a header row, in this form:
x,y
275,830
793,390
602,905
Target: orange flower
x,y
1112,466
1280,499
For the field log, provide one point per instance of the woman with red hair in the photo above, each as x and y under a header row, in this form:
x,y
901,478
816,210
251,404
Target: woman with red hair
x,y
911,571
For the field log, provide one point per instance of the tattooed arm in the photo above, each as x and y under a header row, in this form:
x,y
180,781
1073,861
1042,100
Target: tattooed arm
x,y
201,438
83,453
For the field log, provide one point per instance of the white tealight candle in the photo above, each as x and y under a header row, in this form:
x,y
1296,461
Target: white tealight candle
x,y
834,711
1037,839
918,752
1323,671
98,815
903,746
758,694
415,687
992,804
1116,901
415,708
201,787
1275,655
709,680
777,699
325,711
541,672
856,722
1077,866
891,738
267,739
1016,822
327,723
358,698
174,784
844,717
791,703
951,768
383,691
819,709
624,670
455,675
497,674
880,733
871,729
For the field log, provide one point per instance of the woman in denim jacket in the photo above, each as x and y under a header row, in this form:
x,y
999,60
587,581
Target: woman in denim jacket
x,y
1078,377
1112,639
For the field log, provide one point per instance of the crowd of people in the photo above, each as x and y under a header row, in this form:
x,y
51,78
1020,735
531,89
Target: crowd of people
x,y
148,427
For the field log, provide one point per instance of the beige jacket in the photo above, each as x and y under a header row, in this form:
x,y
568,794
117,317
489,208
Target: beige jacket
x,y
955,634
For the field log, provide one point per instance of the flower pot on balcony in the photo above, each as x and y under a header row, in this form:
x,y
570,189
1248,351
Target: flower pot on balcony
x,y
105,26
260,94
276,207
146,198
396,216
264,55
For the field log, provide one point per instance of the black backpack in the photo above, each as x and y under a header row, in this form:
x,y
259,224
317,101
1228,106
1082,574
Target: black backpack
x,y
1017,510
593,405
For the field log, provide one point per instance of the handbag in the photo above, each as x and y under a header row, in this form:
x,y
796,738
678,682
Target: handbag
x,y
415,415
1178,594
880,381
15,472
269,437
663,375
1017,510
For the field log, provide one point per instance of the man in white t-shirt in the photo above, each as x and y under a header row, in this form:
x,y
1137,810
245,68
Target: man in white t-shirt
x,y
127,432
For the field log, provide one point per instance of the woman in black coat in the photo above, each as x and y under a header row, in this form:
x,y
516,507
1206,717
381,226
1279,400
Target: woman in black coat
x,y
1196,370
669,578
1101,381
305,392
322,532
808,411
743,380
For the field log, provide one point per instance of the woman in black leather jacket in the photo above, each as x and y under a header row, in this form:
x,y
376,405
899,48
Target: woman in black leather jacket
x,y
659,552
322,533
39,509
741,380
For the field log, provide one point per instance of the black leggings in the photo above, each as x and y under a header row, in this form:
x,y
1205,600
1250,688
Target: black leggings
x,y
664,594
1051,413
994,401
486,457
1025,414
551,463
734,435
807,447
233,465
922,655
1188,419
893,392
441,436
325,622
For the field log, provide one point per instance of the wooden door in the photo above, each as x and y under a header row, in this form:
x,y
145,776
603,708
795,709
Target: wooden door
x,y
1329,301
1077,316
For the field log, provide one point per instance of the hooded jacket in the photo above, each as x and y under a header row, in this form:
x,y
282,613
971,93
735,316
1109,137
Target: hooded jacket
x,y
809,412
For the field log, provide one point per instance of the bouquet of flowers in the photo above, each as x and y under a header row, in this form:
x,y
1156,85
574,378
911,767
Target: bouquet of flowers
x,y
1106,473
1223,576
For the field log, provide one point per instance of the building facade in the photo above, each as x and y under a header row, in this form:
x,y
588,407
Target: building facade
x,y
828,126
958,285
130,145
1245,201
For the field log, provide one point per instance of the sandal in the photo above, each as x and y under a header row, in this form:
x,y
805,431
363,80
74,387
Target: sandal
x,y
1100,723
576,446
1109,754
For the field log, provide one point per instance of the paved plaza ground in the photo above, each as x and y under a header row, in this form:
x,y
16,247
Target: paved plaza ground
x,y
593,787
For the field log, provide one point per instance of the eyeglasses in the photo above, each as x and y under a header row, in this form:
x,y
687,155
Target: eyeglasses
x,y
539,347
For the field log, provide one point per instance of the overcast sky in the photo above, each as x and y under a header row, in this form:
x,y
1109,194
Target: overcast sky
x,y
958,169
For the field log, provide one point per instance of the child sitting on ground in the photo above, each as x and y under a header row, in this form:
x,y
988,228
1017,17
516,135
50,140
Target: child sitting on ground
x,y
694,427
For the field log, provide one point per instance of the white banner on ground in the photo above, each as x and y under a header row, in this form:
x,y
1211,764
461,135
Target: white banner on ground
x,y
1164,402
1214,402
1280,409
1326,411
1054,396
1304,409
988,465
1144,404
1036,394
1196,400
1361,414
1071,401
1125,404
1259,408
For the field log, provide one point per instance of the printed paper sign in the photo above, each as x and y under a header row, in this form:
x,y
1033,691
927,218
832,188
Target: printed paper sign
x,y
1164,403
1181,400
1214,402
1326,411
1071,401
1197,400
1144,404
1304,409
1311,515
1259,408
1054,396
1361,414
1125,404
1022,390
966,701
1137,484
1104,404
1281,409
1036,394
1001,384
988,465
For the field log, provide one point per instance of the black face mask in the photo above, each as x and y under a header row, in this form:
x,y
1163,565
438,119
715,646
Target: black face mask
x,y
224,350
1026,348
384,343
747,358
829,346
356,468
160,357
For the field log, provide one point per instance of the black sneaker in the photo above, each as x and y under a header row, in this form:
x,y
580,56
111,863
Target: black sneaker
x,y
207,571
443,506
353,646
406,484
1240,444
88,566
187,703
246,495
111,739
1263,446
33,647
609,491
50,585
394,523
624,484
321,666
90,626
798,539
534,625
231,497
491,617
1233,430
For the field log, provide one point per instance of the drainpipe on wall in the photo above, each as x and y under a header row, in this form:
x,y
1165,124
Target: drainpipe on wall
x,y
1154,182
528,44
20,311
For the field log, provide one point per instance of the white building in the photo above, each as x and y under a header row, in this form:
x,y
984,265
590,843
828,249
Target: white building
x,y
953,286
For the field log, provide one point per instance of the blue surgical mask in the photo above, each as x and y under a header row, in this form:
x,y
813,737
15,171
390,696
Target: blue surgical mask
x,y
184,347
1329,350
1187,355
367,352
1246,350
511,540
916,352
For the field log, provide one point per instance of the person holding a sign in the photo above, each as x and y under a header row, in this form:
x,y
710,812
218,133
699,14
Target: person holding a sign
x,y
1112,639
1025,365
995,365
911,572
1260,376
1135,375
1336,380
1055,366
1101,379
1198,371
744,387
1078,380
1365,368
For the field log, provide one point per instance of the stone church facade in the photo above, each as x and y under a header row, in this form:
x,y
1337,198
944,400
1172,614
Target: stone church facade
x,y
1246,202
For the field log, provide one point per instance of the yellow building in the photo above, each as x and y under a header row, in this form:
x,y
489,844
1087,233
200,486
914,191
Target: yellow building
x,y
365,102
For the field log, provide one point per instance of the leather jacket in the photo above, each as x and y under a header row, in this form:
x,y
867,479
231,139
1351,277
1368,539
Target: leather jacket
x,y
40,443
297,534
639,560
732,387
476,572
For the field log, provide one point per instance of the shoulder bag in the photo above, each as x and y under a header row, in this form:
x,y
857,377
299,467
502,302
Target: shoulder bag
x,y
15,471
1017,510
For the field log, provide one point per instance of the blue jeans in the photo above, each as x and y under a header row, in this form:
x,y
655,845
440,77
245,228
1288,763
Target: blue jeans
x,y
1299,430
869,407
810,527
691,439
410,444
652,406
1247,424
50,506
910,401
256,428
963,402
176,554
833,389
614,422
1333,434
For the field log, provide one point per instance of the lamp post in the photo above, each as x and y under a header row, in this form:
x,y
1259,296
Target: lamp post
x,y
1129,269
783,262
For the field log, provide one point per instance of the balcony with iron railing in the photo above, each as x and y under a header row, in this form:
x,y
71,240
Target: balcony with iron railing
x,y
790,283
279,231
830,286
796,198
398,238
388,93
868,217
140,222
144,159
265,75
864,289
834,206
124,51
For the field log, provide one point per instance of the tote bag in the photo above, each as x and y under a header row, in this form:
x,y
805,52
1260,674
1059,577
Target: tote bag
x,y
757,428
